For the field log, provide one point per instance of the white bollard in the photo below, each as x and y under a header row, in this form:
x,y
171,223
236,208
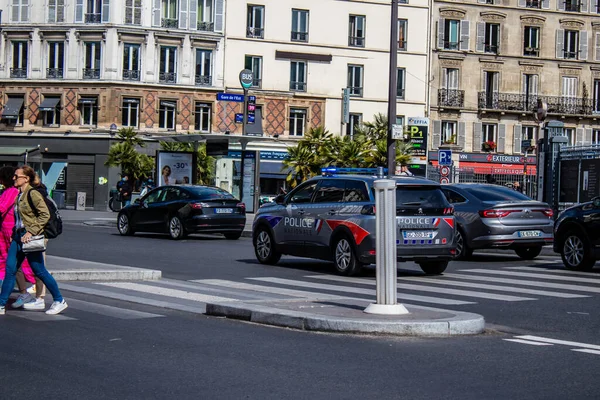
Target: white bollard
x,y
385,250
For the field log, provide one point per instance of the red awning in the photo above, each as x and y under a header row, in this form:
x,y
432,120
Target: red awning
x,y
490,168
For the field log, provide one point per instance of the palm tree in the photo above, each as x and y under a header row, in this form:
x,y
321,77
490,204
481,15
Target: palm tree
x,y
124,154
376,130
302,162
378,156
347,152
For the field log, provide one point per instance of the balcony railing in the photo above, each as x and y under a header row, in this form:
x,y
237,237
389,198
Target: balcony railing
x,y
18,73
491,48
93,18
451,45
206,26
571,55
54,73
528,103
356,41
131,75
299,36
531,51
167,77
257,33
298,86
451,98
355,91
533,4
203,80
169,23
573,6
91,73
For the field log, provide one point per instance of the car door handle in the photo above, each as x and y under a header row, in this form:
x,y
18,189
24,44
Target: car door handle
x,y
331,212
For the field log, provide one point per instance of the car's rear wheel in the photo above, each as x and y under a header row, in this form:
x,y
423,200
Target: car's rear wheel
x,y
576,252
463,251
433,267
124,225
176,230
529,253
233,235
264,247
344,259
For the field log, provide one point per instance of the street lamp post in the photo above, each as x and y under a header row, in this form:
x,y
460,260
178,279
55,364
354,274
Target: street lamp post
x,y
392,95
540,115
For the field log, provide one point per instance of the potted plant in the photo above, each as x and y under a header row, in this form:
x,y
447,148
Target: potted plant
x,y
488,146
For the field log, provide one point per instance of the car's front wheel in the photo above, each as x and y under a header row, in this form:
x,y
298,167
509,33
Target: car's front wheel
x,y
344,259
433,267
176,230
124,225
463,251
529,253
264,247
576,252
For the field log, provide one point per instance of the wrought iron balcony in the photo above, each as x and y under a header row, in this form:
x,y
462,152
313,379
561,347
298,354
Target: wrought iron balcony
x,y
299,36
93,18
531,51
91,73
298,86
203,80
491,48
356,41
169,23
54,73
451,98
206,26
533,4
451,45
18,73
167,77
257,33
528,103
131,75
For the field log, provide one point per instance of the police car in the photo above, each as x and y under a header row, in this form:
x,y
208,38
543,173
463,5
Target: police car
x,y
332,217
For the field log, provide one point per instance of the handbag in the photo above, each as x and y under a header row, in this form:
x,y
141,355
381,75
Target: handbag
x,y
37,243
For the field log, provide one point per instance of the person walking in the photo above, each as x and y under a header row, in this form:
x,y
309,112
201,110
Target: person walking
x,y
27,225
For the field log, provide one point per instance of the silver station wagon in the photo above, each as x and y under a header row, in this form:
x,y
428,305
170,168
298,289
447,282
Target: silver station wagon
x,y
332,217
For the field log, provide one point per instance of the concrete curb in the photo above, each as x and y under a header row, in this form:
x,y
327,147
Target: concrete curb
x,y
460,324
135,274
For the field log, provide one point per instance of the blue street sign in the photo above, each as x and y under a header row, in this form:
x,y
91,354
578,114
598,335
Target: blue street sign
x,y
445,157
239,118
239,98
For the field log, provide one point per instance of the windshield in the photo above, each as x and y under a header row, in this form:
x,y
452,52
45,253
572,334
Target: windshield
x,y
496,193
209,193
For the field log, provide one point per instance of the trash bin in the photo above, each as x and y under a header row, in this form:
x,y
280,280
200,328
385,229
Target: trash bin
x,y
59,198
80,205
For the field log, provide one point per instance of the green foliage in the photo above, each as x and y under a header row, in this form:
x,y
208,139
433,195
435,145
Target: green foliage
x,y
205,165
124,154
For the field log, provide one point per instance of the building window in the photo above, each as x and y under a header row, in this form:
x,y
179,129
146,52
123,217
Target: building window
x,y
94,12
20,60
88,108
355,80
13,110
351,126
596,136
297,121
203,115
488,137
168,65
448,134
131,62
298,76
254,64
203,67
256,22
570,86
533,4
530,91
596,96
20,11
56,59
451,34
529,133
166,115
56,11
491,84
402,33
131,112
570,134
401,83
356,31
133,12
531,41
169,14
571,44
572,5
400,120
50,107
299,26
491,43
205,16
91,69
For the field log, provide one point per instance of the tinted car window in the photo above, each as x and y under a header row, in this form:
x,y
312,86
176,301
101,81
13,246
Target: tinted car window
x,y
453,197
496,193
155,196
330,191
420,197
209,193
356,191
303,194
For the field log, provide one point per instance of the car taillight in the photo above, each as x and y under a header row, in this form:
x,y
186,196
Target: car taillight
x,y
242,206
197,206
548,212
368,210
449,211
495,213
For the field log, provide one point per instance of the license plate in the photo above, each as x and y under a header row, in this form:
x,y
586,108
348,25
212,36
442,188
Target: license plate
x,y
530,233
224,210
417,234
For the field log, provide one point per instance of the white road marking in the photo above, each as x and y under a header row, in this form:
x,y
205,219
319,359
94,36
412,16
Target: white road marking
x,y
109,311
528,342
39,316
181,294
556,271
370,292
530,275
405,286
557,341
525,283
597,352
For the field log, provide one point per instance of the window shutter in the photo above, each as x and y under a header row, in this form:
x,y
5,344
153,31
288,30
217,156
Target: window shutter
x,y
583,45
437,130
535,84
560,37
462,137
584,6
156,17
522,3
441,25
464,35
517,135
496,87
480,37
546,4
193,15
597,46
129,11
79,11
105,10
588,136
501,138
477,136
219,14
183,15
445,78
24,10
60,10
579,136
137,12
51,11
560,4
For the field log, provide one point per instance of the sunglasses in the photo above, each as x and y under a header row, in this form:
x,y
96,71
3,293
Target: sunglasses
x,y
15,176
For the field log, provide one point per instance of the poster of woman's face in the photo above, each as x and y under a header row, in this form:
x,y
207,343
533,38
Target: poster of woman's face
x,y
174,168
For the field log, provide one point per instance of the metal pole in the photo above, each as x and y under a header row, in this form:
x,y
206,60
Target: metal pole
x,y
525,173
392,95
243,143
385,250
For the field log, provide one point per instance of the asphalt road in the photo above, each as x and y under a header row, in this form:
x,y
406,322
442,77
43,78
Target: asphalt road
x,y
151,352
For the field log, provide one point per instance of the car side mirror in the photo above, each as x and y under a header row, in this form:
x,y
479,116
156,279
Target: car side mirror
x,y
279,199
596,202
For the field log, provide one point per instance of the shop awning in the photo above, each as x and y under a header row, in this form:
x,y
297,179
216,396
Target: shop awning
x,y
87,100
15,150
49,103
12,108
491,168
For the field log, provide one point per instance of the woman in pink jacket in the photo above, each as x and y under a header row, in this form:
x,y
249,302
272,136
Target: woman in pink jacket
x,y
7,222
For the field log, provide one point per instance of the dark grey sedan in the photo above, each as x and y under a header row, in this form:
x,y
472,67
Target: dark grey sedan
x,y
492,216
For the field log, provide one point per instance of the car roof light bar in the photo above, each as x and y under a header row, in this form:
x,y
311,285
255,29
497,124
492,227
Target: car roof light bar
x,y
352,171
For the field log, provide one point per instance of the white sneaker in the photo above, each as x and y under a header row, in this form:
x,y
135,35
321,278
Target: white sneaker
x,y
37,305
31,289
2,310
57,307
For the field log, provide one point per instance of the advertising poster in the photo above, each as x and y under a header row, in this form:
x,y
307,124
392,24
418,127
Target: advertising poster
x,y
174,168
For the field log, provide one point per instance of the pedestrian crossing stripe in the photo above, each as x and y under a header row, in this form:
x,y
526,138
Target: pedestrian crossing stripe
x,y
542,341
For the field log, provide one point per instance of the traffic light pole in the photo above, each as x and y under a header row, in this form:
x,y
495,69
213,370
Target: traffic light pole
x,y
392,95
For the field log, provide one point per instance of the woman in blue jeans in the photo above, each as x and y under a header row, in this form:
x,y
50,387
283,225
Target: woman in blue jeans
x,y
27,224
